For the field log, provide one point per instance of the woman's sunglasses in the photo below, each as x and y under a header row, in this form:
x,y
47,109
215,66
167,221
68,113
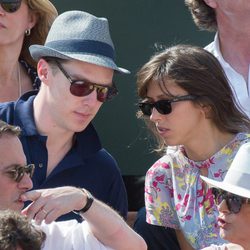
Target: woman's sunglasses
x,y
10,6
18,172
233,201
84,88
163,106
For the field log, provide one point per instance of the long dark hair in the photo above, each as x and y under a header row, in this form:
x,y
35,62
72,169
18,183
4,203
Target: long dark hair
x,y
199,73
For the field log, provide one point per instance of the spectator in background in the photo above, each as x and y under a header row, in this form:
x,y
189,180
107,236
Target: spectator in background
x,y
76,67
232,196
18,233
23,22
102,227
187,102
231,46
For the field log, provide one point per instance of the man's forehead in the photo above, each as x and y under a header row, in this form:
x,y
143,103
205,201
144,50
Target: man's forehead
x,y
11,151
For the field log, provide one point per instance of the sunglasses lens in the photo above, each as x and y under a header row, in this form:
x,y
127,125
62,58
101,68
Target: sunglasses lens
x,y
218,195
109,94
234,203
146,108
81,88
11,6
163,107
102,94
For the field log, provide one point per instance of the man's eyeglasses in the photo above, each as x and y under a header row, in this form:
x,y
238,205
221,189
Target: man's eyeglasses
x,y
10,6
163,106
233,201
17,172
84,88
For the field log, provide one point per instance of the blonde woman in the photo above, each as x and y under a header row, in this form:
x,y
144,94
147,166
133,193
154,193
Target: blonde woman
x,y
22,23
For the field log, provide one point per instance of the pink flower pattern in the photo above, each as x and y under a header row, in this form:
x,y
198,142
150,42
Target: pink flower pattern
x,y
176,197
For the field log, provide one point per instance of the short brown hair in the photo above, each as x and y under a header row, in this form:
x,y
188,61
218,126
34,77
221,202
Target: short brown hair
x,y
17,231
203,15
6,128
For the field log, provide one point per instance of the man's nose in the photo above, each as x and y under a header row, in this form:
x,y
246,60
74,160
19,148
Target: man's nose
x,y
25,182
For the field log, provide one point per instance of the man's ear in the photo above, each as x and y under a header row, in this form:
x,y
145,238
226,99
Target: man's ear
x,y
211,3
43,70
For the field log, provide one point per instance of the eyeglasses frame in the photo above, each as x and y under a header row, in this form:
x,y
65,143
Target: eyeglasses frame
x,y
28,169
175,99
226,196
19,2
112,90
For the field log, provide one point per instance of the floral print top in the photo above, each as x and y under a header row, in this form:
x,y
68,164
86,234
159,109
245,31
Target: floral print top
x,y
176,196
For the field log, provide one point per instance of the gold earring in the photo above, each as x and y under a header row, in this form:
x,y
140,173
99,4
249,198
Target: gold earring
x,y
27,32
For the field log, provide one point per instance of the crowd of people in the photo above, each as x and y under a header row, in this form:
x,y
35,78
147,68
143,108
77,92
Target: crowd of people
x,y
60,189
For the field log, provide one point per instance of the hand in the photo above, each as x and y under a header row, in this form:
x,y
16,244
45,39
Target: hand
x,y
49,204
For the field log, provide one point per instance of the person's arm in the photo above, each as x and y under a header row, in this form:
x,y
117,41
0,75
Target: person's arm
x,y
104,222
184,245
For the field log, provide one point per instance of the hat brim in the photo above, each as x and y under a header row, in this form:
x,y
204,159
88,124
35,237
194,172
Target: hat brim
x,y
39,51
227,187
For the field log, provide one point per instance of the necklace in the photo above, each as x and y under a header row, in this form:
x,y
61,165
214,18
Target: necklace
x,y
19,81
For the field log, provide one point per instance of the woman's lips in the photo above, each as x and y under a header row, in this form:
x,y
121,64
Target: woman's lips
x,y
222,223
162,130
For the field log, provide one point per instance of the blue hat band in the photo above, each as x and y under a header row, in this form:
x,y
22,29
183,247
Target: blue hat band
x,y
79,46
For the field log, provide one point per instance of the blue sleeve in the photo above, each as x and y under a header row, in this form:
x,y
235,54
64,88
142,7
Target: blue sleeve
x,y
7,112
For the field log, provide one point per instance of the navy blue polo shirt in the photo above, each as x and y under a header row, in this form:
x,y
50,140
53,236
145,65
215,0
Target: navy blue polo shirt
x,y
86,165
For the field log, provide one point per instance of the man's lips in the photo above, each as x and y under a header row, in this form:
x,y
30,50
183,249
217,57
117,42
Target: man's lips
x,y
2,26
82,114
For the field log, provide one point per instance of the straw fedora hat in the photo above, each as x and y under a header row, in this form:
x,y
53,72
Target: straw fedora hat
x,y
81,36
237,179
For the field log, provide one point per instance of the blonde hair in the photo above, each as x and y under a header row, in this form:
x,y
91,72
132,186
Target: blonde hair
x,y
46,13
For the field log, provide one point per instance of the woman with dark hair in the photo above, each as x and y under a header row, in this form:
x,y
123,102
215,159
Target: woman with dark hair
x,y
188,103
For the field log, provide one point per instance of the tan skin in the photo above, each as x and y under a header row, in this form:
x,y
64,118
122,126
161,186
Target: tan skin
x,y
234,41
12,32
79,110
235,227
198,129
11,191
49,204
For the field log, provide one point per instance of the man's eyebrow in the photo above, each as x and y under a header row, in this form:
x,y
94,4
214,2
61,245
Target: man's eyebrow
x,y
10,167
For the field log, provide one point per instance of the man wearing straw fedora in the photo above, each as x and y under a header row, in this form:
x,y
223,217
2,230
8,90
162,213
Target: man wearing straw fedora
x,y
232,196
76,67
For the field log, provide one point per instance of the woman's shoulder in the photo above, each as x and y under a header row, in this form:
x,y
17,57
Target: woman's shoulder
x,y
32,73
167,162
229,246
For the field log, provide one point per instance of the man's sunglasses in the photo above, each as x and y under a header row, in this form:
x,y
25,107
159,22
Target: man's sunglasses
x,y
163,106
17,172
233,201
10,6
84,88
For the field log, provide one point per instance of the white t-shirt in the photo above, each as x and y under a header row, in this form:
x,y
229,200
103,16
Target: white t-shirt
x,y
240,87
70,235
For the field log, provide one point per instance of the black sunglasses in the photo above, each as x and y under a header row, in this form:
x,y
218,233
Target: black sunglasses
x,y
233,201
10,6
18,172
84,88
163,106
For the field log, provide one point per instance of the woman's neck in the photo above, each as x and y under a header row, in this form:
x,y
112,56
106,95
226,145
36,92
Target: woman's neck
x,y
207,145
